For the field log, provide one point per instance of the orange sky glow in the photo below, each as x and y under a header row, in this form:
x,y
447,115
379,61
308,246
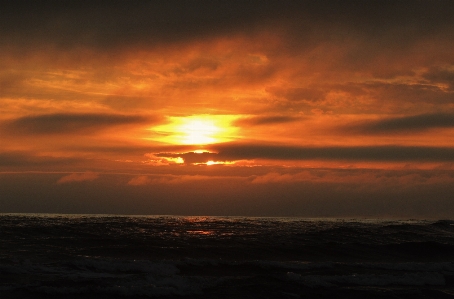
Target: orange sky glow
x,y
305,108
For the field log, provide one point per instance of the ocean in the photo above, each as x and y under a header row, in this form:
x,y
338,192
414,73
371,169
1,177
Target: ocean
x,y
111,256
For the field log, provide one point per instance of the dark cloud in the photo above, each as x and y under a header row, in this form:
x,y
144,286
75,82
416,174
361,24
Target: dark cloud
x,y
299,94
197,64
26,159
63,123
134,149
125,23
410,93
264,120
381,195
405,124
120,23
11,80
368,96
191,157
367,153
389,97
234,152
441,75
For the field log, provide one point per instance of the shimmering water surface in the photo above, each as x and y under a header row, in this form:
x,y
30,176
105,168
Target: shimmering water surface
x,y
103,256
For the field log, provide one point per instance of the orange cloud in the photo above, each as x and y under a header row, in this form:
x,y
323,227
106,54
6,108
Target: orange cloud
x,y
294,85
375,179
78,177
139,180
176,179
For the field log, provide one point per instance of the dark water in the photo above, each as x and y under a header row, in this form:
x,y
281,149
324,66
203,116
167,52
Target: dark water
x,y
99,256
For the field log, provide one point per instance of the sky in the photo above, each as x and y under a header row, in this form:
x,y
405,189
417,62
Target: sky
x,y
240,108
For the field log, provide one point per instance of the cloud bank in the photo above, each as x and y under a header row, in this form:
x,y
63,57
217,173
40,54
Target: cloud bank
x,y
78,177
64,123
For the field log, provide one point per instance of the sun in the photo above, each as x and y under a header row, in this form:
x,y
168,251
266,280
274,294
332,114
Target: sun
x,y
196,130
199,131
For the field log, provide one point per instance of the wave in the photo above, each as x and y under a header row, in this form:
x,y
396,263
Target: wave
x,y
140,257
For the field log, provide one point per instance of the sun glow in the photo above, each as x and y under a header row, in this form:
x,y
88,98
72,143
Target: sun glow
x,y
200,151
199,131
196,130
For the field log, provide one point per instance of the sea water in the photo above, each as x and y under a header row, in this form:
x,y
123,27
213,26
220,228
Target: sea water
x,y
111,256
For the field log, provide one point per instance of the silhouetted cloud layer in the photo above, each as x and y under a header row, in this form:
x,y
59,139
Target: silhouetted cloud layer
x,y
318,193
78,177
358,153
64,123
234,152
265,120
116,23
22,159
406,123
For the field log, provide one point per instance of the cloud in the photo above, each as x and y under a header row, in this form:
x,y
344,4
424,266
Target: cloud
x,y
139,180
107,25
372,95
229,152
232,151
407,92
78,177
63,123
191,157
371,177
151,55
405,123
385,97
273,177
104,24
309,94
128,149
29,159
441,75
264,120
171,179
11,81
